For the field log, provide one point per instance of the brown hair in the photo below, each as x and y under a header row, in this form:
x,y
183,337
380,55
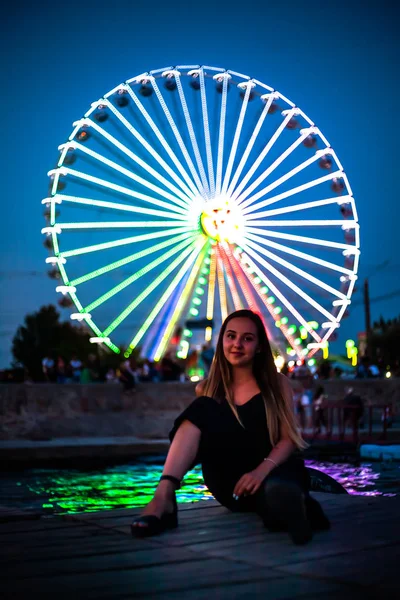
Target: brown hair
x,y
278,406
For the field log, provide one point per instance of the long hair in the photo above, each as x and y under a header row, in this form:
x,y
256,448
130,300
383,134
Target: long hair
x,y
278,407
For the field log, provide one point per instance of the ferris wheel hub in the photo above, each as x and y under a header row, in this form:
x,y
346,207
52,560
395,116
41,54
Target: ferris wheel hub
x,y
221,219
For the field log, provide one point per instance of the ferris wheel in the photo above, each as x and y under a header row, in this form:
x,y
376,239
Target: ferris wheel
x,y
188,192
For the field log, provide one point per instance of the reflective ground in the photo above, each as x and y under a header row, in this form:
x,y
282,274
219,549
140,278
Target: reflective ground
x,y
61,491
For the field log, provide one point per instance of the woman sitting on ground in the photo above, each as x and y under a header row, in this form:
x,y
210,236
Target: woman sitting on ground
x,y
243,430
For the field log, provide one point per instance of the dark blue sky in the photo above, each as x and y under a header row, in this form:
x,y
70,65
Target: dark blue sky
x,y
338,61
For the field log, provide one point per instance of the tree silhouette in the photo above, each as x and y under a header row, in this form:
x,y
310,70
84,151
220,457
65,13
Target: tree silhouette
x,y
44,335
385,342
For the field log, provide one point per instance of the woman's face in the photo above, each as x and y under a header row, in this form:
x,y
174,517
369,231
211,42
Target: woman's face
x,y
240,342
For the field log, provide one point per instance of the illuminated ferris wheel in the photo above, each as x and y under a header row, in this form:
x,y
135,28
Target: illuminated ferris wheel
x,y
188,192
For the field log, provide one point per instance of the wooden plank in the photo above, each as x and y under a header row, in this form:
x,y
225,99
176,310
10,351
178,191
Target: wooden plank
x,y
115,544
110,561
369,567
160,579
271,589
43,523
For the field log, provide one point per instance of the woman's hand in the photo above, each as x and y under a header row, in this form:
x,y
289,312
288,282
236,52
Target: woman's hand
x,y
249,483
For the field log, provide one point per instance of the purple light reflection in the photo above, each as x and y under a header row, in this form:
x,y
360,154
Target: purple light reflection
x,y
359,480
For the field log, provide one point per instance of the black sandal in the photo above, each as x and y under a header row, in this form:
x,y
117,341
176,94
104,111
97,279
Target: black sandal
x,y
149,525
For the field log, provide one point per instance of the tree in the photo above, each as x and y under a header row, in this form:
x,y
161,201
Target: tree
x,y
385,342
42,335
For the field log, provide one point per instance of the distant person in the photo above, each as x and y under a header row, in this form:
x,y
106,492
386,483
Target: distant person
x,y
86,375
207,355
76,368
129,366
170,370
145,372
362,371
354,408
324,370
111,376
93,364
48,368
126,377
61,370
319,413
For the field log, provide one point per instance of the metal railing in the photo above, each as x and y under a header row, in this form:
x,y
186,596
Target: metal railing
x,y
350,423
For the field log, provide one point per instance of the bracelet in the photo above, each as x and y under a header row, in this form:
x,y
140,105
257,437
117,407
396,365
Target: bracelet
x,y
270,460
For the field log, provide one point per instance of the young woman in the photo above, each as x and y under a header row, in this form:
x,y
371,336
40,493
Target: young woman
x,y
242,429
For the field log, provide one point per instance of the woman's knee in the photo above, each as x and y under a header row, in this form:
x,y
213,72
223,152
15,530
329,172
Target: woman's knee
x,y
276,485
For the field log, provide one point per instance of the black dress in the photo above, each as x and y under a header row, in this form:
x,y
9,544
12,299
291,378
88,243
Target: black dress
x,y
227,450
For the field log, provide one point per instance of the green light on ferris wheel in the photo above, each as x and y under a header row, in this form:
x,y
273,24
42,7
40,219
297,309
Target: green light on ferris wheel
x,y
139,274
147,291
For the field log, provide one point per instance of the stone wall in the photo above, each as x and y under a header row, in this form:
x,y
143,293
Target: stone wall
x,y
49,411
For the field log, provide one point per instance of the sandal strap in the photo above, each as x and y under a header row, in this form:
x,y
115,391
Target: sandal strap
x,y
174,480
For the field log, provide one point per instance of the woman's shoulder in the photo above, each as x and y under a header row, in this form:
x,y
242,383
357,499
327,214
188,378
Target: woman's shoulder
x,y
200,388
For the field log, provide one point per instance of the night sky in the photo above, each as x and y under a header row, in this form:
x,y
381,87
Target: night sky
x,y
337,60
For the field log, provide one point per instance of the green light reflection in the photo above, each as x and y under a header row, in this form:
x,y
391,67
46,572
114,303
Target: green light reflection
x,y
69,491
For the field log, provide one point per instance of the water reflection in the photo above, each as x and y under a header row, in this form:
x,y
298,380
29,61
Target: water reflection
x,y
128,486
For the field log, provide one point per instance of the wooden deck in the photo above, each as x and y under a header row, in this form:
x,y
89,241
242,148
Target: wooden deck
x,y
213,554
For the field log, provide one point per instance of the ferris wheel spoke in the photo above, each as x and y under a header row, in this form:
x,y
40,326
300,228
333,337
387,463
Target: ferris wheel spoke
x,y
221,136
192,134
299,238
171,267
132,278
122,242
143,295
273,166
184,198
178,138
302,255
290,284
207,138
306,275
247,284
179,307
121,224
305,223
291,192
250,145
236,138
304,206
191,186
295,190
120,189
221,286
261,274
165,296
242,279
211,285
131,258
237,302
111,205
262,155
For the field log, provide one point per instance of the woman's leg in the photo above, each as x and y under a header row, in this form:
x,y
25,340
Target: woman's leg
x,y
281,503
181,455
